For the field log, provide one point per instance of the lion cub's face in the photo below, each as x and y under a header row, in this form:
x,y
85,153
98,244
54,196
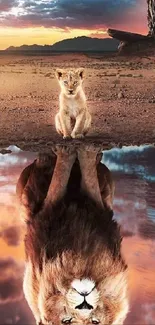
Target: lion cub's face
x,y
85,302
70,81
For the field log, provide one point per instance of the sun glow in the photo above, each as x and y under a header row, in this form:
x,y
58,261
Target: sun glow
x,y
16,11
40,35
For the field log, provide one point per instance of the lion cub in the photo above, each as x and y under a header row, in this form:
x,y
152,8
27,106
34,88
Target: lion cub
x,y
73,119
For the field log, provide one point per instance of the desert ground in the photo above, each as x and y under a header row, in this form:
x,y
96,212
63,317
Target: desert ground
x,y
120,93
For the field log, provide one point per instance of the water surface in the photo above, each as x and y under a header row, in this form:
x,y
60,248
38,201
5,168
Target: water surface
x,y
133,170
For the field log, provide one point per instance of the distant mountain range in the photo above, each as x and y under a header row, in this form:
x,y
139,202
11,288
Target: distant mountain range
x,y
77,44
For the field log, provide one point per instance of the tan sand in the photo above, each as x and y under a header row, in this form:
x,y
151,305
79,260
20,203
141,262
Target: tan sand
x,y
120,92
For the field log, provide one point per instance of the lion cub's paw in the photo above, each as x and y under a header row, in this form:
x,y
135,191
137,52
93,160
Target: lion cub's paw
x,y
64,150
90,152
66,137
92,148
77,136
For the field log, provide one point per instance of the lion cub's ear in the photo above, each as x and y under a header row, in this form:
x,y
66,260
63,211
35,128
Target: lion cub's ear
x,y
81,73
59,73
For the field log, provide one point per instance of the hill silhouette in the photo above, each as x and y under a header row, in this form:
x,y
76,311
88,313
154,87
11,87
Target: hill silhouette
x,y
77,44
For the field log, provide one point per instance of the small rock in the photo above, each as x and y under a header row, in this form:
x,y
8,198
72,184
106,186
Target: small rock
x,y
48,75
5,151
116,82
151,101
120,95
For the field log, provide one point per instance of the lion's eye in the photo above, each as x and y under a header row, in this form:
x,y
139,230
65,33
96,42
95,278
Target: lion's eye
x,y
95,321
67,321
66,82
75,83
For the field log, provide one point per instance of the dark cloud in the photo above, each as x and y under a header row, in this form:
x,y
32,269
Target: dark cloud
x,y
143,311
89,14
11,227
147,231
6,5
11,235
126,233
10,280
135,161
10,289
16,313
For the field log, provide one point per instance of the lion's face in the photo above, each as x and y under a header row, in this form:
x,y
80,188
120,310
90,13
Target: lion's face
x,y
70,81
84,302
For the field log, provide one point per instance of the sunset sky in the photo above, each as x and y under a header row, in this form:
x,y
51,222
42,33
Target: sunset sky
x,y
49,21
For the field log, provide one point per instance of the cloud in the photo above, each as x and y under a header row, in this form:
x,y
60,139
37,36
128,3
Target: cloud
x,y
147,231
126,233
11,278
142,312
11,226
16,313
130,160
11,235
10,289
6,5
98,34
66,14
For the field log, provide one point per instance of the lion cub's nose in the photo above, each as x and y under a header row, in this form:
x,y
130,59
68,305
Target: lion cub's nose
x,y
71,92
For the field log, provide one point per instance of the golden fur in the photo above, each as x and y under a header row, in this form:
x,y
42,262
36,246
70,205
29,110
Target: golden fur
x,y
73,119
73,239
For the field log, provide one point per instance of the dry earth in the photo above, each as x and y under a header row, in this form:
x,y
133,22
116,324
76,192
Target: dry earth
x,y
120,92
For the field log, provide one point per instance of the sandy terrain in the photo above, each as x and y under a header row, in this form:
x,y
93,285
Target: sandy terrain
x,y
120,94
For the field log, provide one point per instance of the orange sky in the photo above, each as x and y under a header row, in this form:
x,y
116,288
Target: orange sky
x,y
39,35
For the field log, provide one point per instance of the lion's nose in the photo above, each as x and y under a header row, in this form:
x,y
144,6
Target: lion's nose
x,y
84,293
84,305
71,91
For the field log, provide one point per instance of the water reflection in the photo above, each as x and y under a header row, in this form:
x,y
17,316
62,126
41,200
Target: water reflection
x,y
134,205
134,208
134,172
75,272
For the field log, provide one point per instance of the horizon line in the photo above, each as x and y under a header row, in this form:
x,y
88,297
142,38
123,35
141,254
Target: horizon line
x,y
41,45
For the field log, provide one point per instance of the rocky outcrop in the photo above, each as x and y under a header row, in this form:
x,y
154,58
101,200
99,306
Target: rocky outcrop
x,y
132,42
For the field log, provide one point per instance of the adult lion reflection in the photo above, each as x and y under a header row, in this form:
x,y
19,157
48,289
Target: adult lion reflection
x,y
75,272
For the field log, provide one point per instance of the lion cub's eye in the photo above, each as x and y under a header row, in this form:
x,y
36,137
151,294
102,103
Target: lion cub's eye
x,y
95,321
47,322
75,83
66,82
66,321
